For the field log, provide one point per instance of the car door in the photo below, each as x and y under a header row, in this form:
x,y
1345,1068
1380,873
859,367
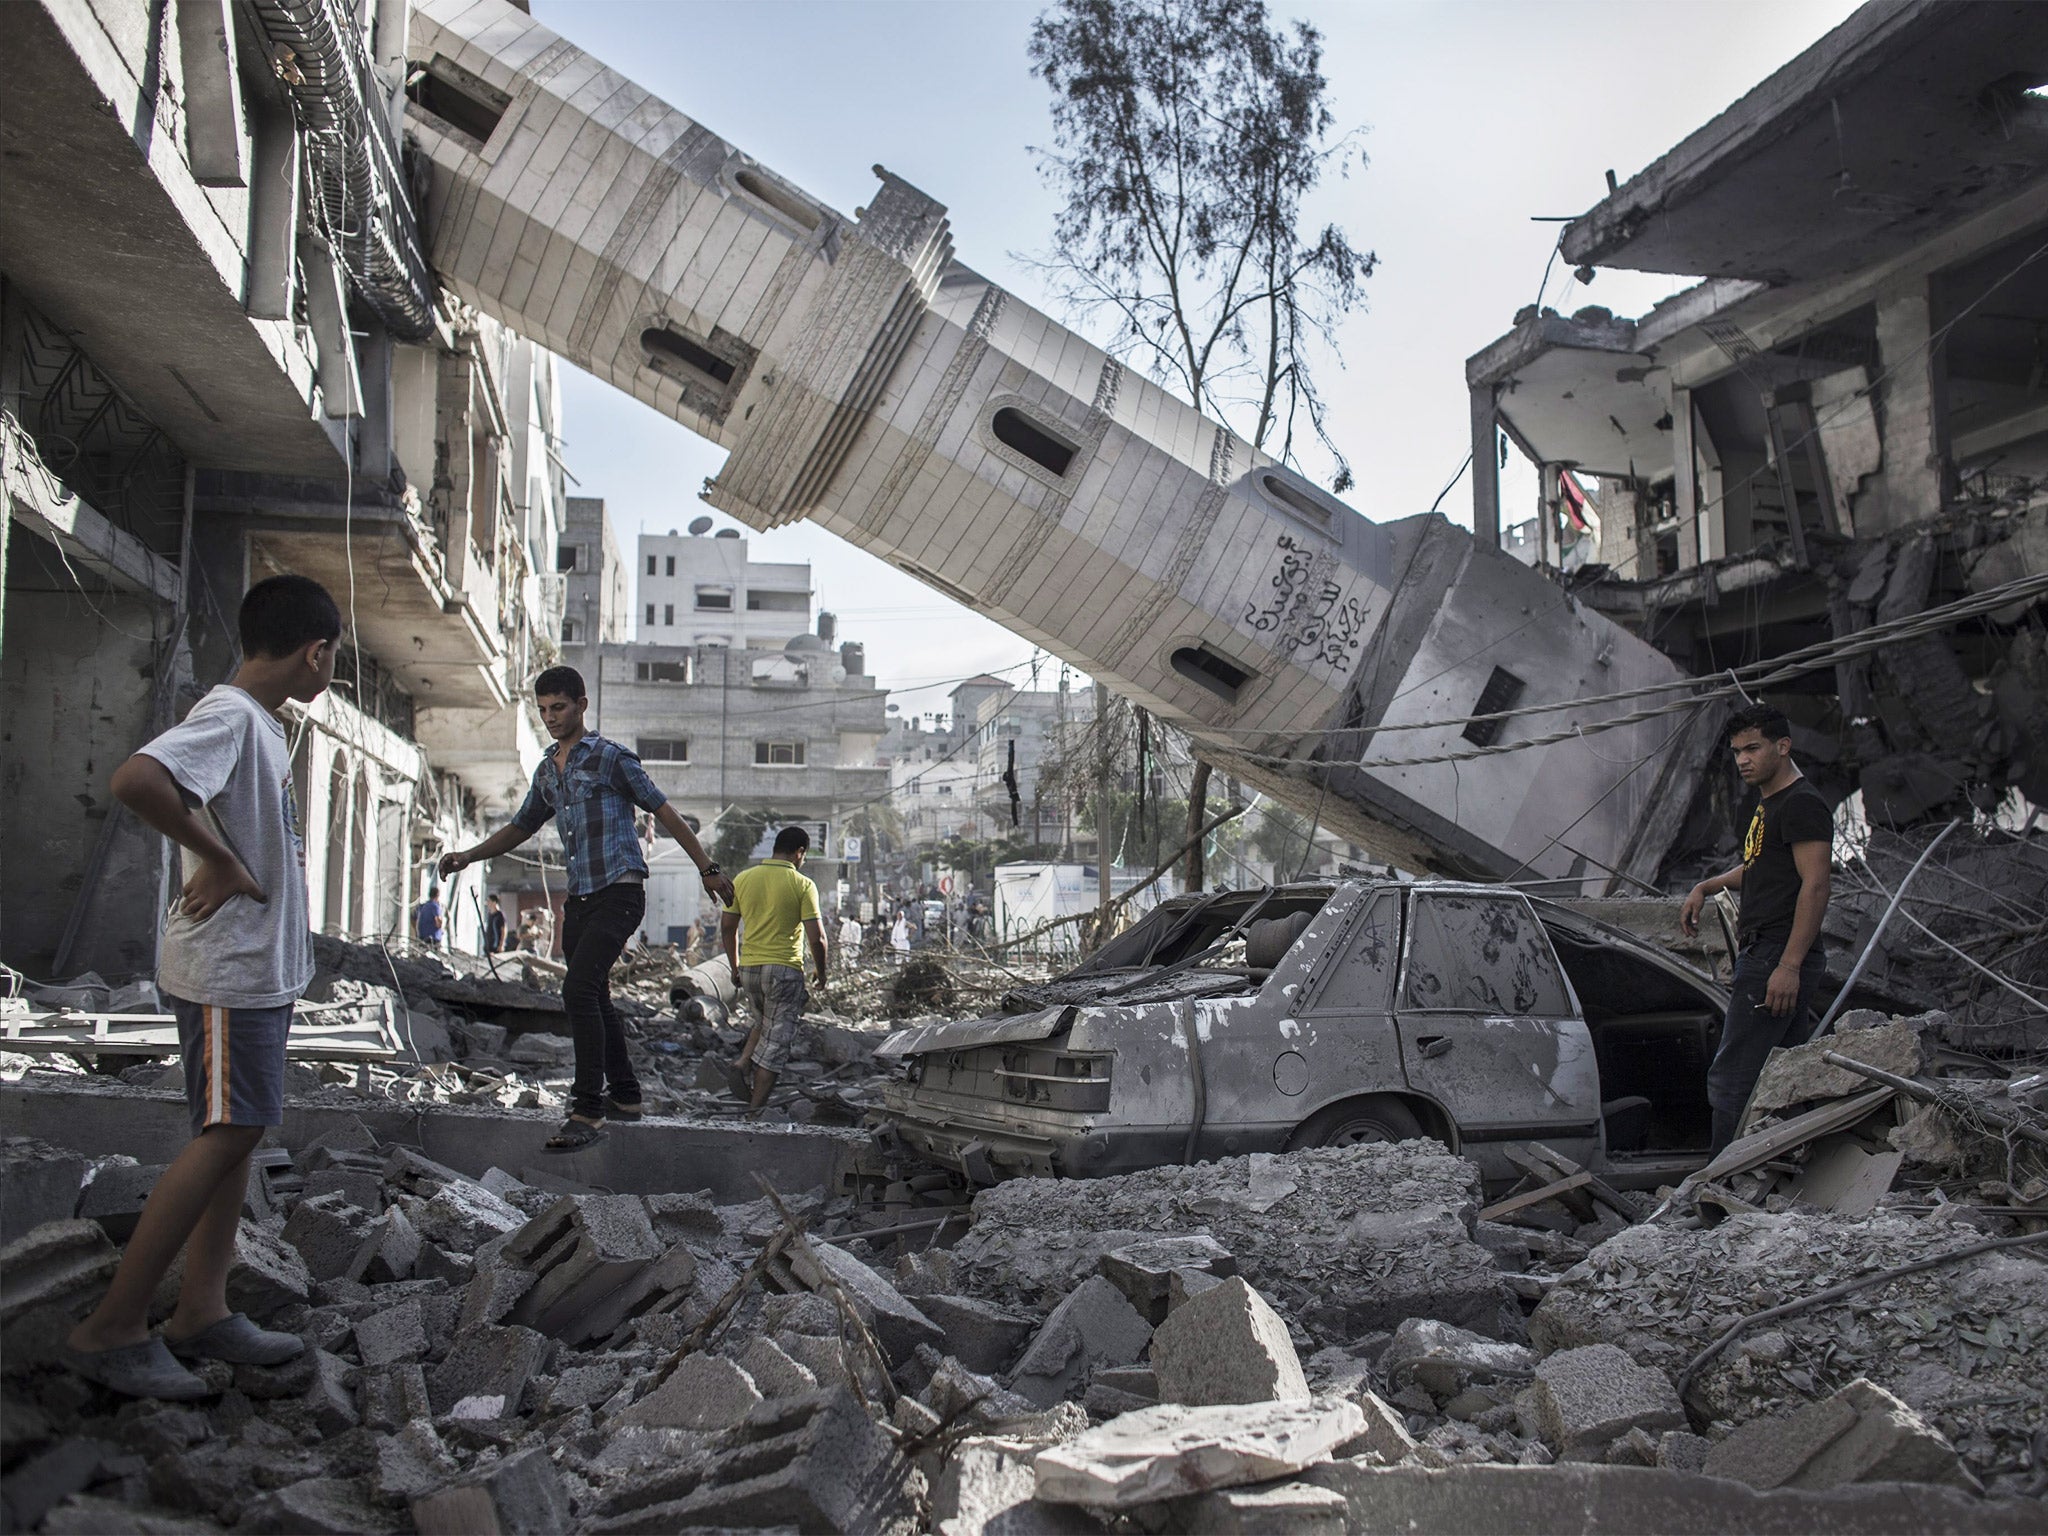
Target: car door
x,y
1488,1026
1342,1043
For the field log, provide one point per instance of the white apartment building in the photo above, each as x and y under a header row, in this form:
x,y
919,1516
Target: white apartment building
x,y
704,590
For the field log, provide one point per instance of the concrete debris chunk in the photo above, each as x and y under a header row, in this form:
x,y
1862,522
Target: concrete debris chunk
x,y
1862,1434
1291,1509
320,1506
954,1392
359,1187
988,1488
411,1463
517,1495
38,1183
979,1334
462,1215
774,1373
1373,1235
266,1276
329,1231
491,1294
1144,1271
63,1262
898,1325
389,1396
1226,1345
395,1335
116,1195
1094,1326
1172,1451
494,1361
1798,1074
1384,1439
1584,1399
389,1250
1444,1360
605,1241
702,1392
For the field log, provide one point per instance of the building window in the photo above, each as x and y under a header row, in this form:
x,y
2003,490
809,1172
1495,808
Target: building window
x,y
1018,432
1296,502
568,557
661,672
781,200
916,787
667,350
459,98
1219,674
668,615
1502,691
650,565
945,789
662,749
671,566
778,602
650,615
714,599
568,631
778,754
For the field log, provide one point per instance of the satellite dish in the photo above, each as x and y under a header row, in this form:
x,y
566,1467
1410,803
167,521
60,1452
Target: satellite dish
x,y
699,527
728,533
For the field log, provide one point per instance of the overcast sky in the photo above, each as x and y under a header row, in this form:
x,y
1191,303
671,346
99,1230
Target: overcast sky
x,y
1480,118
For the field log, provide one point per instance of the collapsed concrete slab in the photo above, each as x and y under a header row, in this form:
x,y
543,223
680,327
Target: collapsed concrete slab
x,y
1365,1238
702,1392
1094,1326
1170,1451
1863,1434
1540,1501
1226,1345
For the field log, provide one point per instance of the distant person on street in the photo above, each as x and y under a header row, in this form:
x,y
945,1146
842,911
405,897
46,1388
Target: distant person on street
x,y
899,935
588,786
773,911
494,927
236,953
850,937
1784,881
428,919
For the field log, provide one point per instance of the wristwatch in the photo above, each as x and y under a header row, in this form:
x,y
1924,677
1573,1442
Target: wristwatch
x,y
709,870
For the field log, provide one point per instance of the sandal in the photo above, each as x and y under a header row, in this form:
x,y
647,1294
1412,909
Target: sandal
x,y
574,1136
616,1109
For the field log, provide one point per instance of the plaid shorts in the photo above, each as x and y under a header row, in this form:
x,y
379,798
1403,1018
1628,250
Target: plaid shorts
x,y
777,995
234,1062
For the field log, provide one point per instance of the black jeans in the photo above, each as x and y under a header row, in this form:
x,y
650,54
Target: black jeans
x,y
595,930
1752,1031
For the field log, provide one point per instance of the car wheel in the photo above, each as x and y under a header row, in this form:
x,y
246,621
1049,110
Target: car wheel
x,y
1357,1123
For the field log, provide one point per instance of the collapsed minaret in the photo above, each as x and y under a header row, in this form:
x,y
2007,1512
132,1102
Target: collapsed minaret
x,y
861,377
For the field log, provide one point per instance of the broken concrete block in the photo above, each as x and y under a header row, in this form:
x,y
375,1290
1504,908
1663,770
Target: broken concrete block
x,y
462,1215
266,1277
38,1184
605,1241
491,1294
667,1280
389,1250
488,1360
39,1484
1291,1509
1863,1434
979,1334
1172,1451
482,1039
954,1392
329,1395
1184,1285
1795,1075
1094,1326
800,1312
1385,1438
1227,1345
351,1135
1584,1399
899,1327
394,1335
328,1231
389,1396
1444,1360
518,1495
1683,1451
116,1195
541,1050
65,1262
830,1360
319,1506
702,1392
774,1373
412,1463
359,1187
585,1386
988,1488
1144,1271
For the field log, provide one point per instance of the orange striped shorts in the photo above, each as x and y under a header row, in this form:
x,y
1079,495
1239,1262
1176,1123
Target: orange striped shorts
x,y
234,1062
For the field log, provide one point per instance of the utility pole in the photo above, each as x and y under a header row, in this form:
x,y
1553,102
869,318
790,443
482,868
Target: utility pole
x,y
1102,843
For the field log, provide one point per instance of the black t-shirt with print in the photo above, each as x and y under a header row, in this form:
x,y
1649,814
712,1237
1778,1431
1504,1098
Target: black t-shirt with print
x,y
1770,877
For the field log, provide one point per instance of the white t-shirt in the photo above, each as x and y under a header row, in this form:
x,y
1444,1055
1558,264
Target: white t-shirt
x,y
230,757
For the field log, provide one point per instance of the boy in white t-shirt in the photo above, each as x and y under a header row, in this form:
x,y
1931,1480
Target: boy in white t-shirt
x,y
237,952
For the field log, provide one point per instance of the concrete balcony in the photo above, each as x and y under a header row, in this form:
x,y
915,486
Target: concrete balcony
x,y
493,751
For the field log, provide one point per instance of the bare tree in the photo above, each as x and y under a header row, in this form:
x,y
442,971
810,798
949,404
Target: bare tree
x,y
1186,135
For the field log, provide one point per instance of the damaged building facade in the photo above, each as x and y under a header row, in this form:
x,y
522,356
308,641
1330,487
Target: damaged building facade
x,y
1843,422
222,357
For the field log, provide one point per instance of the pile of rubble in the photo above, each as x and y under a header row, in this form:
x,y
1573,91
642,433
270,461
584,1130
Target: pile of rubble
x,y
1296,1343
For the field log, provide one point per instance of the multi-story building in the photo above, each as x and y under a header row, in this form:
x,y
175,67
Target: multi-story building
x,y
696,590
595,604
952,777
222,356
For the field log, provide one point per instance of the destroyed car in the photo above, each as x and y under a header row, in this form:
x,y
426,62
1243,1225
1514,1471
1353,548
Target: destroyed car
x,y
1321,1015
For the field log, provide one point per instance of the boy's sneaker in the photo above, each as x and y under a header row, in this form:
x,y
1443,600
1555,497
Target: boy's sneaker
x,y
239,1342
139,1370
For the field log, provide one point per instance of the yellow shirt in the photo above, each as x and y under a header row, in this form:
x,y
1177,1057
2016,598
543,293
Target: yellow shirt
x,y
774,900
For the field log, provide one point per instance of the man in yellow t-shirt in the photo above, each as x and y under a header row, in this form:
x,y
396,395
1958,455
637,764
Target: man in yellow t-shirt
x,y
776,906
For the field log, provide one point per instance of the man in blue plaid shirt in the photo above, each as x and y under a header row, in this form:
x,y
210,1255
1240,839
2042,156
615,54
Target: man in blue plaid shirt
x,y
589,787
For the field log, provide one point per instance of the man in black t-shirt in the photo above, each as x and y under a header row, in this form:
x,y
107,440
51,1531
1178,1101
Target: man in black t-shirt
x,y
1783,878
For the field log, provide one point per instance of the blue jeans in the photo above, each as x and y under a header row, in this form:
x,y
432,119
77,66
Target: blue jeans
x,y
1752,1031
